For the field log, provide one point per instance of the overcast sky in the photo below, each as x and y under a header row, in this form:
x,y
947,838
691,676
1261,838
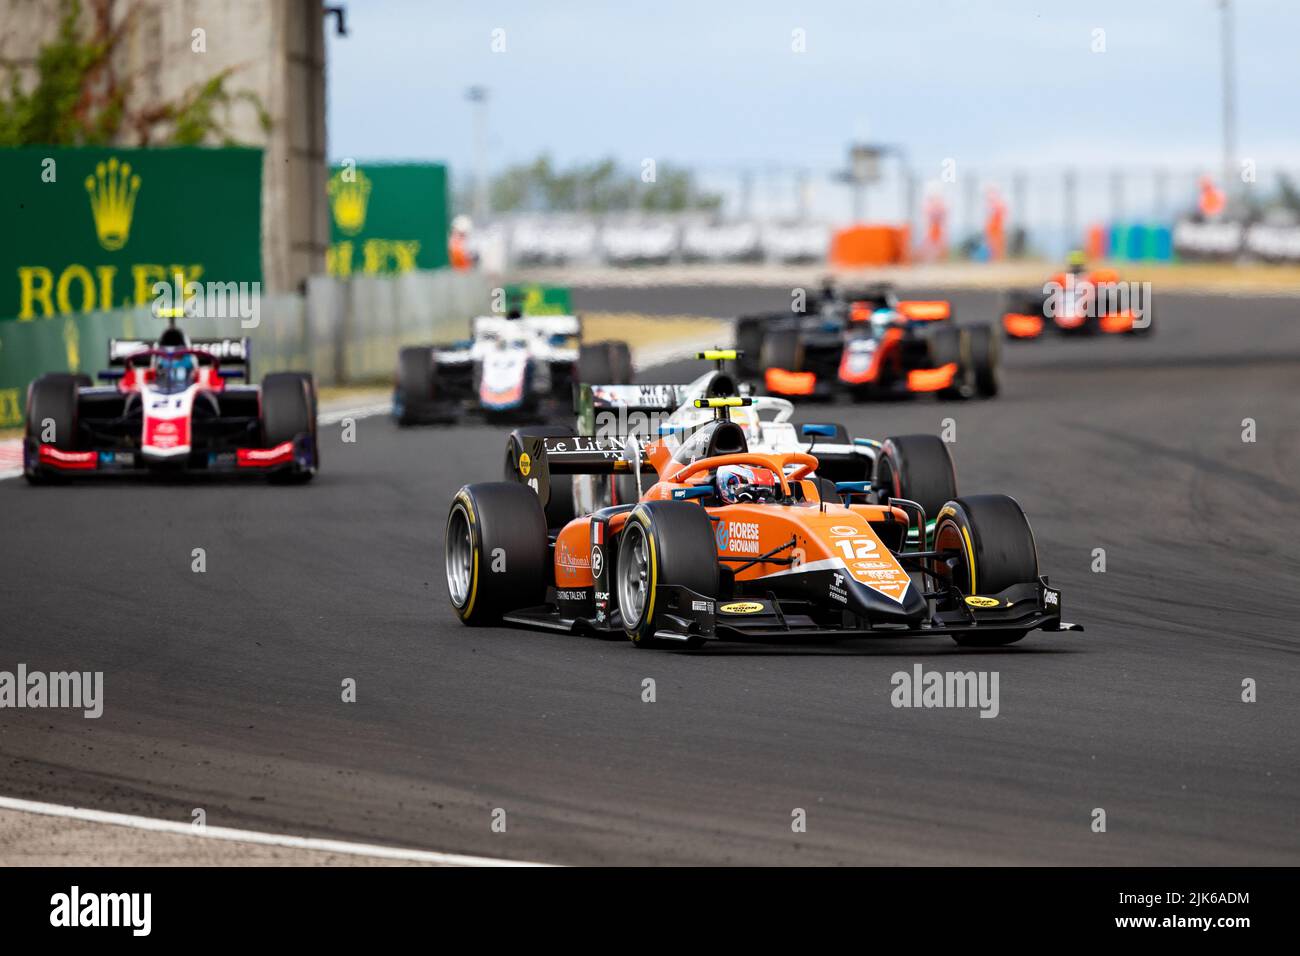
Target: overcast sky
x,y
717,84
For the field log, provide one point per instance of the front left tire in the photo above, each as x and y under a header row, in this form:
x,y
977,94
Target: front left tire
x,y
663,542
495,551
995,550
52,402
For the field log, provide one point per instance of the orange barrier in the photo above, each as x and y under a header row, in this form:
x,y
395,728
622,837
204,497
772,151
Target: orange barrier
x,y
1095,243
869,246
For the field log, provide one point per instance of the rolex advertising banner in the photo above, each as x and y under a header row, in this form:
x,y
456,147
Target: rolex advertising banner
x,y
89,231
387,218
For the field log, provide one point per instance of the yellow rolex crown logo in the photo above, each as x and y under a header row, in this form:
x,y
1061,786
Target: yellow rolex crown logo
x,y
349,192
112,192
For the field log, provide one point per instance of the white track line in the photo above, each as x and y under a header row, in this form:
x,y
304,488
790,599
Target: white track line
x,y
253,836
333,417
11,450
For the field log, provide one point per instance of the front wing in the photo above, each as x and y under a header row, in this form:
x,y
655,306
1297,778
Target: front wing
x,y
769,619
297,456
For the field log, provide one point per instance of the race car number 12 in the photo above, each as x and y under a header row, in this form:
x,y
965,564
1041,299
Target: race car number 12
x,y
856,547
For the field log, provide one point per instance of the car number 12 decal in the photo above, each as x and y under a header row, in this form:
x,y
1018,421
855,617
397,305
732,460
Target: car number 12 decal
x,y
856,548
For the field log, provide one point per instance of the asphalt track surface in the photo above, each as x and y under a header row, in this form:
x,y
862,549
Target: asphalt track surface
x,y
223,689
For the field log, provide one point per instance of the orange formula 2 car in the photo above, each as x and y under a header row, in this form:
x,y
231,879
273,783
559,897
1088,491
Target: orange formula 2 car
x,y
728,544
1081,302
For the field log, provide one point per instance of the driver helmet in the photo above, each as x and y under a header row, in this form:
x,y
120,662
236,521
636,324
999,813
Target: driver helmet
x,y
741,483
882,319
174,370
1076,261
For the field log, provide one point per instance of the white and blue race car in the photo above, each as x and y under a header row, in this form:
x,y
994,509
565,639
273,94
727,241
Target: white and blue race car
x,y
621,417
513,366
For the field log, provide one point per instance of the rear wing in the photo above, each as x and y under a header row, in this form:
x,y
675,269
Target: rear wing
x,y
228,352
535,459
646,399
935,310
533,324
590,399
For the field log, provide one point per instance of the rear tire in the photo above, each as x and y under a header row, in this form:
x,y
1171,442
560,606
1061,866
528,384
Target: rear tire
x,y
663,542
495,550
1001,552
416,379
986,360
621,358
560,510
749,341
1149,320
782,348
916,467
605,363
951,344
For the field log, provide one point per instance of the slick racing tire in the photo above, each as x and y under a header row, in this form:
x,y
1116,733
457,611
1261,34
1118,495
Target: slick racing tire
x,y
52,400
995,548
918,468
782,348
495,550
1148,321
416,379
560,510
289,410
663,542
951,344
986,360
749,342
605,363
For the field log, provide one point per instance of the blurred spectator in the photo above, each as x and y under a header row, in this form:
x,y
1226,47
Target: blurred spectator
x,y
458,245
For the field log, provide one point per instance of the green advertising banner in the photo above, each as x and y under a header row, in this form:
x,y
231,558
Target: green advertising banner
x,y
387,218
534,299
89,231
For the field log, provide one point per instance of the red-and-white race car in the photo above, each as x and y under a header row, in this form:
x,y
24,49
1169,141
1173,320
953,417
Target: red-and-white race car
x,y
172,407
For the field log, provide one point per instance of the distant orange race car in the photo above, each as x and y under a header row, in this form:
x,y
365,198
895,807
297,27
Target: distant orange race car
x,y
729,544
869,343
1081,302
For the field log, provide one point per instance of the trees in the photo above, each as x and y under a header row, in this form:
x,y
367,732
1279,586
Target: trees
x,y
79,100
597,186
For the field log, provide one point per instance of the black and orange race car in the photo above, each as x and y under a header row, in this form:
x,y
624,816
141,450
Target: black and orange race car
x,y
1079,301
869,343
729,544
